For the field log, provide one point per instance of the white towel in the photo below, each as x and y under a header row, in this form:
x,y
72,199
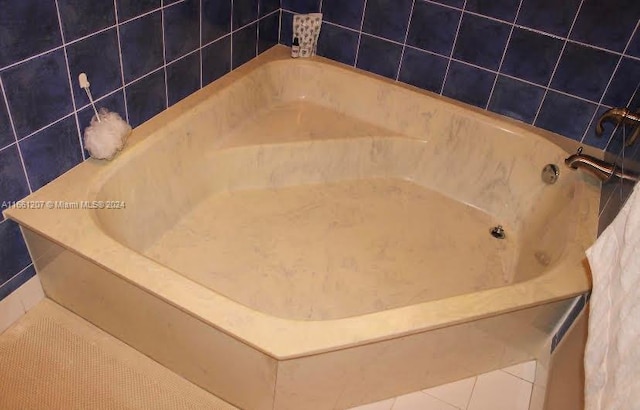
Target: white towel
x,y
612,357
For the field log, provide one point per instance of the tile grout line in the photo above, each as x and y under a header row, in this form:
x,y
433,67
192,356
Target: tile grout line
x,y
124,91
453,47
258,30
404,44
73,98
164,59
504,53
280,26
17,274
555,68
15,134
364,12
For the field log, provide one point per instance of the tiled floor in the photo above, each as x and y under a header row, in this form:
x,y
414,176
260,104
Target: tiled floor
x,y
506,389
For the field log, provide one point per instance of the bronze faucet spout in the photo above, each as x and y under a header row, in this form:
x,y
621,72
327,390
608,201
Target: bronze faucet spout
x,y
601,169
620,116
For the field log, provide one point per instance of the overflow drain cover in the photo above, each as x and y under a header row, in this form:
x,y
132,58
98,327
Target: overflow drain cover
x,y
498,232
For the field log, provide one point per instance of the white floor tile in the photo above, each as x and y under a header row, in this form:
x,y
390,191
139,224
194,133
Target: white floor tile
x,y
379,405
31,293
10,310
420,401
456,393
526,371
500,390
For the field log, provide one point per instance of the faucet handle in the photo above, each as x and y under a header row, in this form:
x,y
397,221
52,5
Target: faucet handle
x,y
620,116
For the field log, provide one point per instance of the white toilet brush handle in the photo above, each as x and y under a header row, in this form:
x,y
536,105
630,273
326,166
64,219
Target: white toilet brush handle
x,y
84,84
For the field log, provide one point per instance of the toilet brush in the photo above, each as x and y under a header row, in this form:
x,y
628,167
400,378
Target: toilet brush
x,y
107,133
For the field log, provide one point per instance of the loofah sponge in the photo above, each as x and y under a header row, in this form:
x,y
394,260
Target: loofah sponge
x,y
106,135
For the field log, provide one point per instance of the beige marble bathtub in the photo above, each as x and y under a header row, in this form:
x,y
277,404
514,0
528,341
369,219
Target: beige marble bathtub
x,y
300,234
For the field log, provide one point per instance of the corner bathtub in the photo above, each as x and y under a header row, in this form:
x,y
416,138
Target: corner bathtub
x,y
302,235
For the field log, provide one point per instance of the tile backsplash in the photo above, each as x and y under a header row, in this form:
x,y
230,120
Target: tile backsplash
x,y
141,56
557,65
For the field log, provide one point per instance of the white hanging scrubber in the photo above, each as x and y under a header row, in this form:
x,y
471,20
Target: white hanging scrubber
x,y
107,133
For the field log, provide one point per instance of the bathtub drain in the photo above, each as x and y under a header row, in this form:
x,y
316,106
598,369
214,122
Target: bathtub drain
x,y
498,232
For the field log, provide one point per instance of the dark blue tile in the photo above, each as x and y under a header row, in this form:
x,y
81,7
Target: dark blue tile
x,y
599,141
433,27
6,133
244,45
141,42
623,83
531,56
634,46
181,29
345,13
468,84
452,3
379,56
500,9
18,280
216,60
82,17
216,19
19,38
550,16
268,6
99,58
565,115
268,32
38,92
14,256
51,152
244,12
113,103
607,24
481,41
146,98
183,78
422,69
13,182
387,18
286,28
128,9
584,71
301,6
516,99
338,44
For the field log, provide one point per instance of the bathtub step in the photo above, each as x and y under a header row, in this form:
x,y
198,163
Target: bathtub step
x,y
53,359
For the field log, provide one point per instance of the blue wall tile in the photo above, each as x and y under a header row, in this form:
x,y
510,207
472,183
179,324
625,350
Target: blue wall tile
x,y
141,42
500,9
183,77
81,17
51,152
19,38
344,13
584,71
97,56
216,19
387,18
379,56
244,43
550,16
17,281
565,115
531,56
181,29
13,182
128,9
244,12
422,69
146,98
216,60
634,45
619,93
301,6
481,41
14,256
468,84
337,43
6,133
38,92
286,28
433,27
35,76
516,99
607,24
